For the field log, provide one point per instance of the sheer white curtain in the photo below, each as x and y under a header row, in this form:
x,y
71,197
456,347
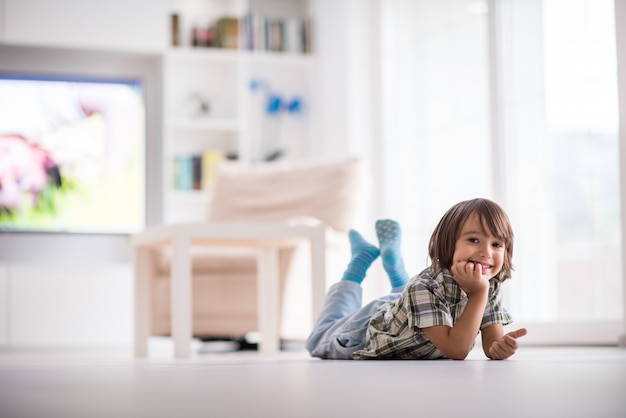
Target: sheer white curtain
x,y
437,149
514,100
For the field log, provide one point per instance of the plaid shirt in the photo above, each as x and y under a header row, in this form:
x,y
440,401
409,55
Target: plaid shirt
x,y
429,299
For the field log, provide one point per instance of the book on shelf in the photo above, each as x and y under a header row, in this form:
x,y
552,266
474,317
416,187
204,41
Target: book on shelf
x,y
276,34
227,32
306,35
210,161
292,33
197,171
254,35
183,173
258,33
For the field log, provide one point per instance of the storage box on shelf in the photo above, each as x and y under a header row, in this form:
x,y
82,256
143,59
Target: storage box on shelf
x,y
237,84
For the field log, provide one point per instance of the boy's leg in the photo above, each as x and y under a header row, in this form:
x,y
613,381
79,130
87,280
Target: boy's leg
x,y
343,298
342,326
389,237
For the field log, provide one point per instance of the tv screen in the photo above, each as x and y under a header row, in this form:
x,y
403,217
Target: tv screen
x,y
72,153
80,152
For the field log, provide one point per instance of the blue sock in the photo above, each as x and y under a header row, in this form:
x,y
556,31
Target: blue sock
x,y
389,238
363,254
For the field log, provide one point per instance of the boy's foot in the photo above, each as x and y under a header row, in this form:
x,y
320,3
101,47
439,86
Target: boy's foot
x,y
389,237
363,254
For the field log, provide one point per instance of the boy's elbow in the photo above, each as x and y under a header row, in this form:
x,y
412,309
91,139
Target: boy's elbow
x,y
459,354
453,345
459,357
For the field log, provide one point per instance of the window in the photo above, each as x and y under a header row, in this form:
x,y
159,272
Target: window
x,y
560,119
537,131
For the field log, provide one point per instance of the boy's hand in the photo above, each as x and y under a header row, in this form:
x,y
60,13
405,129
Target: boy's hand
x,y
505,346
469,277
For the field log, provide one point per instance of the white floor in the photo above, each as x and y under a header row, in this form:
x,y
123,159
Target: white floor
x,y
541,382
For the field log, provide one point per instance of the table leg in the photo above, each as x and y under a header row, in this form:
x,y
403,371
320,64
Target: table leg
x,y
318,271
141,267
268,300
181,297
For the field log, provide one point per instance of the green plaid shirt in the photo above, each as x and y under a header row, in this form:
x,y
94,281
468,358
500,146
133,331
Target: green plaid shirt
x,y
429,299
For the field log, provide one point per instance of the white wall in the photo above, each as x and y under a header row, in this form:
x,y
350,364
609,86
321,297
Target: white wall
x,y
330,46
113,24
4,303
620,27
2,18
349,97
63,305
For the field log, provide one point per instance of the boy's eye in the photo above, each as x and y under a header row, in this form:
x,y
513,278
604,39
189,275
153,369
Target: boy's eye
x,y
473,240
498,245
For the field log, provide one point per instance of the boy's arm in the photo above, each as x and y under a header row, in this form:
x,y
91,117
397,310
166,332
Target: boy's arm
x,y
497,345
457,341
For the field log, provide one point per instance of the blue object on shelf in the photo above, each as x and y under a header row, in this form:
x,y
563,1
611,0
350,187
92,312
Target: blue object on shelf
x,y
274,104
295,106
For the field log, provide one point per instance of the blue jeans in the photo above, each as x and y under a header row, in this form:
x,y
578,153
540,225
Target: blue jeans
x,y
342,324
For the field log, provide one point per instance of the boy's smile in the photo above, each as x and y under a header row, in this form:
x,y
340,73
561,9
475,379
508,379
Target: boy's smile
x,y
480,247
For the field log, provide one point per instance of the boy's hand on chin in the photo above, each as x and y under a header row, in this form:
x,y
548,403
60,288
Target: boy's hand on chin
x,y
469,277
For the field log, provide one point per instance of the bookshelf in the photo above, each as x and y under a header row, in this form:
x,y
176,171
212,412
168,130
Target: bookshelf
x,y
249,100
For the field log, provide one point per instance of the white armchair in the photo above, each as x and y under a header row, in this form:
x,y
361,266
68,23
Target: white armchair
x,y
254,206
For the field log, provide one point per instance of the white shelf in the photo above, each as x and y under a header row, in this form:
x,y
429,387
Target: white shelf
x,y
202,53
237,55
190,196
186,205
237,120
205,124
281,58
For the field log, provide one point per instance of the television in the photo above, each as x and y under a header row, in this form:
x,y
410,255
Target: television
x,y
80,151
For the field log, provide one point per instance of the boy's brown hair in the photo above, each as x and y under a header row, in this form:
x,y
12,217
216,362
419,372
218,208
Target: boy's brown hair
x,y
493,219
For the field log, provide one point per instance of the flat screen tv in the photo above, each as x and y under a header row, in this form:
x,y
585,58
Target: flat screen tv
x,y
79,149
72,153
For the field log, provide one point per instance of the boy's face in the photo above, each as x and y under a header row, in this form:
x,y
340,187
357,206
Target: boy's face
x,y
478,246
